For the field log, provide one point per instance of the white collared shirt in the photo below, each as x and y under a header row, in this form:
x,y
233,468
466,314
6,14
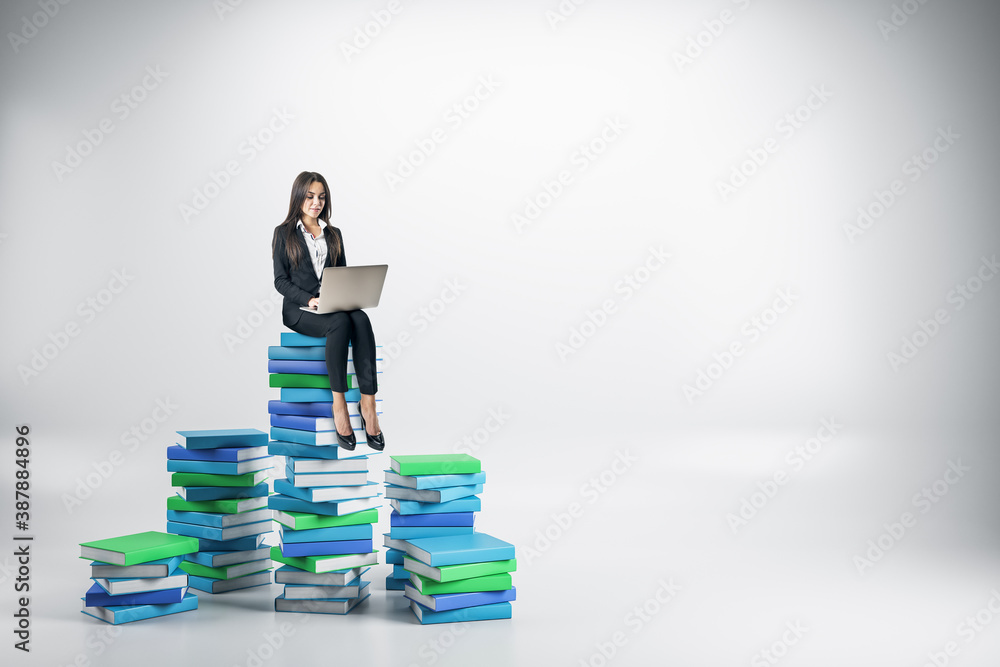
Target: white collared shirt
x,y
317,247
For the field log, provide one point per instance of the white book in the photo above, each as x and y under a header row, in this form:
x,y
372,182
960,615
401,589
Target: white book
x,y
122,586
318,606
289,575
306,466
293,592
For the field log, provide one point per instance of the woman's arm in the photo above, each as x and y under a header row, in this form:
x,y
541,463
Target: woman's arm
x,y
282,273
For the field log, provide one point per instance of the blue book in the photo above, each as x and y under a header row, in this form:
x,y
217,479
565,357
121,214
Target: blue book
x,y
299,450
442,495
98,597
289,504
459,549
233,454
394,556
410,532
315,395
306,366
470,504
138,612
439,519
303,409
326,494
197,493
219,519
399,573
214,439
361,531
209,585
239,544
447,601
221,467
484,612
434,481
311,353
339,548
295,339
226,558
312,423
393,584
315,438
219,534
154,568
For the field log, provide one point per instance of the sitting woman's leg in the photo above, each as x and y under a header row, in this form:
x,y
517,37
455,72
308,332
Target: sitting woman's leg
x,y
363,353
336,328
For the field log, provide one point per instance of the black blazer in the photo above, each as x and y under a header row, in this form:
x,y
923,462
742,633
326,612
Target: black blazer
x,y
300,284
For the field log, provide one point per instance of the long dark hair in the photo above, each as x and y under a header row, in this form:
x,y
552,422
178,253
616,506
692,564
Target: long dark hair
x,y
300,188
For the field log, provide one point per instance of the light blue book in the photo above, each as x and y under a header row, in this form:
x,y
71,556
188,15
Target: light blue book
x,y
239,544
290,504
470,504
226,558
434,481
154,568
447,601
197,493
315,395
399,573
310,353
295,339
297,449
393,584
332,478
209,585
325,494
408,533
219,534
459,549
213,439
441,495
485,612
361,531
220,454
128,613
315,438
221,467
218,519
394,557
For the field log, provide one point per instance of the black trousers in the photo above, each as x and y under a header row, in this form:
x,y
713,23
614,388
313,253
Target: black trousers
x,y
340,328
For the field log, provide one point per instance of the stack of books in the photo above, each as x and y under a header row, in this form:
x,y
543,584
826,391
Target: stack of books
x,y
326,505
449,572
221,499
138,577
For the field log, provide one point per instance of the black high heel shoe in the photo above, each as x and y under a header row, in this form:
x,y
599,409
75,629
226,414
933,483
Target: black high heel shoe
x,y
348,442
376,442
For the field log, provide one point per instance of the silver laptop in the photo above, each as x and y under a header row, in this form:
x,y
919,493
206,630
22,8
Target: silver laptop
x,y
349,288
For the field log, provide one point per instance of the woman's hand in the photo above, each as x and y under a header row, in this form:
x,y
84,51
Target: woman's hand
x,y
314,302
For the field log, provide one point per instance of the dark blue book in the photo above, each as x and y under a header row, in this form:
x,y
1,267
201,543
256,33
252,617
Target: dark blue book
x,y
288,504
197,493
448,601
221,467
98,597
439,519
309,367
231,454
296,549
219,534
117,615
219,519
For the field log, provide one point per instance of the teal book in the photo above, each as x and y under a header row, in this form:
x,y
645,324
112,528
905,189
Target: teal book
x,y
332,534
486,612
239,544
434,481
309,451
459,549
394,556
434,464
441,495
116,615
326,494
311,395
213,439
295,339
300,353
470,504
219,534
226,558
216,520
221,467
410,532
315,438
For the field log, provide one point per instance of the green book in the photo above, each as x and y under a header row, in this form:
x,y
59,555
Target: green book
x,y
305,521
447,573
226,506
435,464
208,479
138,548
303,380
321,564
227,572
490,582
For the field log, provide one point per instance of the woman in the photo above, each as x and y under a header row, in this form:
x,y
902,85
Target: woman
x,y
303,245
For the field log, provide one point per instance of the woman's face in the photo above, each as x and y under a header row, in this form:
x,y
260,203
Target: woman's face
x,y
315,200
